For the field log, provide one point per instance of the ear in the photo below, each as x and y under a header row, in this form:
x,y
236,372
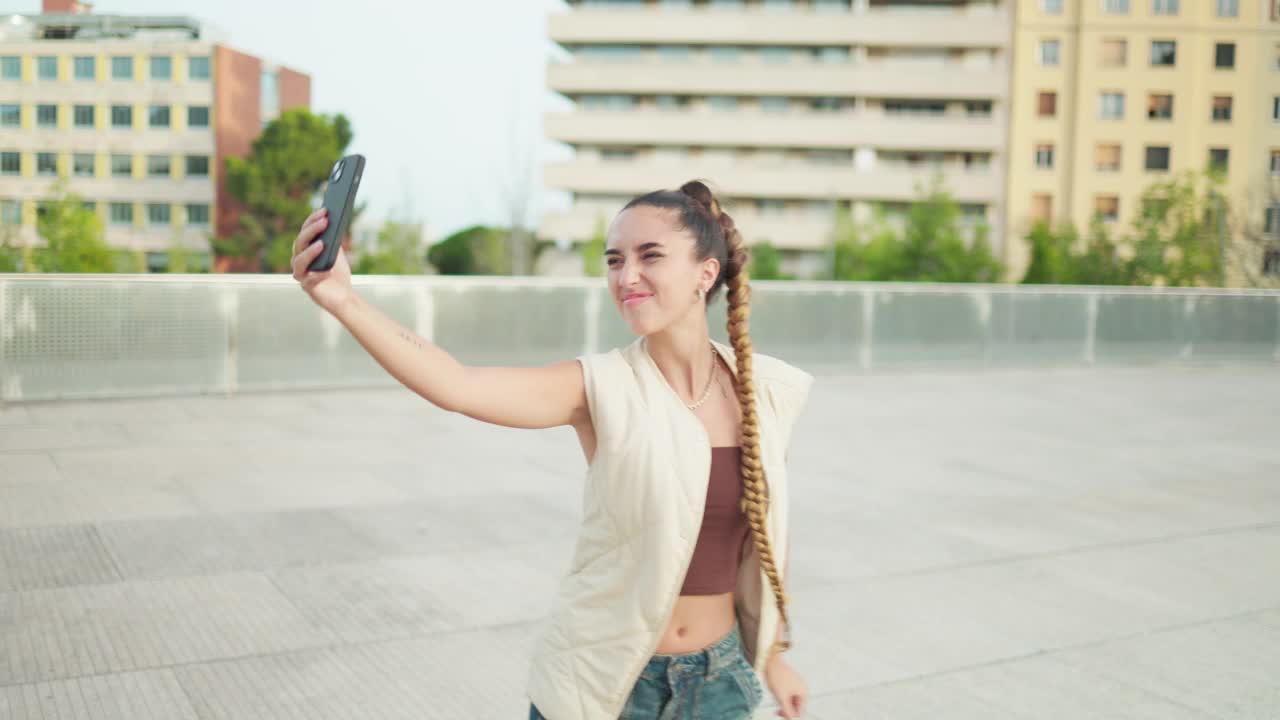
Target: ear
x,y
708,273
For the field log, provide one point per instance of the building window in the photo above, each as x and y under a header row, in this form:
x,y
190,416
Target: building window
x,y
1219,158
47,67
1157,158
83,116
198,165
83,165
161,67
1115,52
1051,7
830,104
197,214
198,116
1221,108
1275,162
1271,221
1115,7
85,67
775,55
10,163
675,53
158,116
158,213
1224,55
10,67
1106,157
121,116
10,115
608,102
830,55
977,108
47,116
1164,53
1228,8
1041,207
1050,53
722,103
158,165
198,67
10,212
724,53
122,165
1164,7
1047,104
774,104
1275,108
672,102
1111,106
1159,107
617,154
1271,262
610,53
1107,207
122,67
1044,156
120,213
46,163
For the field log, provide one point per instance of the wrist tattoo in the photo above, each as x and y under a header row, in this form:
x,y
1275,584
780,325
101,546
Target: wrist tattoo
x,y
413,339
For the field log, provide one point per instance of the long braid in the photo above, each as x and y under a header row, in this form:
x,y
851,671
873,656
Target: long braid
x,y
755,489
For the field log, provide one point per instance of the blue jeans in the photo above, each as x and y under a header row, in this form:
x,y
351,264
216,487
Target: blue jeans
x,y
715,683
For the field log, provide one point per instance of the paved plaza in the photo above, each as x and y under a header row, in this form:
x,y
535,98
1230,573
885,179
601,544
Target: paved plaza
x,y
1055,543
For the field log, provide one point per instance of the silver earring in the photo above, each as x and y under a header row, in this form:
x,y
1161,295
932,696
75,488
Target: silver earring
x,y
701,292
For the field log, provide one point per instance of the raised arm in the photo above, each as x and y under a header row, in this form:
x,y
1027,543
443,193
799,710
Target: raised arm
x,y
534,397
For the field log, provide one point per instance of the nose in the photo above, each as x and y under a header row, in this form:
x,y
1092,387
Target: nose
x,y
629,274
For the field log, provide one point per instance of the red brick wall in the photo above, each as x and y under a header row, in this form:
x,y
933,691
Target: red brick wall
x,y
237,122
61,6
295,90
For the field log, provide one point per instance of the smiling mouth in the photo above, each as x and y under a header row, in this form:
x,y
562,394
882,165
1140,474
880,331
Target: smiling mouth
x,y
635,299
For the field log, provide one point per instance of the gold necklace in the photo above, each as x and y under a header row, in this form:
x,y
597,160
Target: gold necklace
x,y
707,392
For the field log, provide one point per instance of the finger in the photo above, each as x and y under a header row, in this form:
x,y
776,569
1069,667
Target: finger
x,y
309,231
303,259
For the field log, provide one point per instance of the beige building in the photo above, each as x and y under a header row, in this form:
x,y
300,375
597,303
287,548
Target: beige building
x,y
790,107
1111,95
136,115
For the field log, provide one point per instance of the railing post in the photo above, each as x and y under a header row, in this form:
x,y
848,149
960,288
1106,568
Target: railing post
x,y
424,311
1188,324
1091,333
230,307
865,355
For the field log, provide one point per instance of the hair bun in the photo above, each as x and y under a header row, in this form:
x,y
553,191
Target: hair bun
x,y
702,194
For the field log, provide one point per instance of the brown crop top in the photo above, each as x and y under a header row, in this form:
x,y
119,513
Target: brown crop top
x,y
722,539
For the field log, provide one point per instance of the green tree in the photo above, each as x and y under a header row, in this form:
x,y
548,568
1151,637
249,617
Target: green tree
x,y
477,250
277,183
73,237
10,251
766,262
1180,231
1051,254
397,252
593,251
932,246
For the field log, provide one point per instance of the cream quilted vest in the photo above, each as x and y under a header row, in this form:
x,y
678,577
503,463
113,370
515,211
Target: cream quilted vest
x,y
642,507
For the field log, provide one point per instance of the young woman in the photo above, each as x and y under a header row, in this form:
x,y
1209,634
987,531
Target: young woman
x,y
674,601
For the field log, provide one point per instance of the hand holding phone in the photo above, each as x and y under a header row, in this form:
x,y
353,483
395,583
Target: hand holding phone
x,y
339,199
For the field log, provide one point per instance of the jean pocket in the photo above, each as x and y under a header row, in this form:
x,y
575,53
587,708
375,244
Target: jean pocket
x,y
745,676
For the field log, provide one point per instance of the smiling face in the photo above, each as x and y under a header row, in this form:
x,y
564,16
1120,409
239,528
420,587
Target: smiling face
x,y
654,275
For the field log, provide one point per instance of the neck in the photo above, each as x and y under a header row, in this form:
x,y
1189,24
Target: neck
x,y
683,354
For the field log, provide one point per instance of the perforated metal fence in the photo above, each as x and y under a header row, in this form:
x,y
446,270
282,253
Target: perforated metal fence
x,y
82,336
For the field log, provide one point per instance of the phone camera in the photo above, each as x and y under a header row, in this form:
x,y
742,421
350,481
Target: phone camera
x,y
337,172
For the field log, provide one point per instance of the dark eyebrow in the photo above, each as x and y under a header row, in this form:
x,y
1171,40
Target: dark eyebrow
x,y
642,248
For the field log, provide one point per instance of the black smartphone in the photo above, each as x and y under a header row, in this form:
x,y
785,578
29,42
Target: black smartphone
x,y
339,198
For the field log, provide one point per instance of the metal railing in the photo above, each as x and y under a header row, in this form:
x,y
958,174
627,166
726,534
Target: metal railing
x,y
84,336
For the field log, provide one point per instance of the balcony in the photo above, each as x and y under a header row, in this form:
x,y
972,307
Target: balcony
x,y
758,129
961,27
851,79
795,181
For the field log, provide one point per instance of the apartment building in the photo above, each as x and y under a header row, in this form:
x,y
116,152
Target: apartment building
x,y
793,108
1112,95
136,114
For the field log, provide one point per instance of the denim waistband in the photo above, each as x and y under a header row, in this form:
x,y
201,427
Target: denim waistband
x,y
714,657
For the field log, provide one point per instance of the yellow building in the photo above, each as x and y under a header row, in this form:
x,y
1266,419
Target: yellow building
x,y
1112,95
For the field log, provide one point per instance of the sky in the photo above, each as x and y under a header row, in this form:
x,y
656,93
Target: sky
x,y
446,98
